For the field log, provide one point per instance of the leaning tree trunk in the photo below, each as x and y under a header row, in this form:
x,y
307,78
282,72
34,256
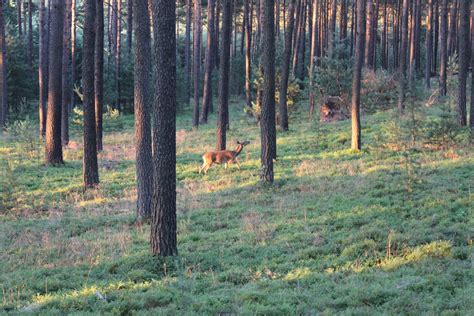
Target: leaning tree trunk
x,y
285,70
357,75
66,86
267,123
209,63
163,225
142,105
53,148
99,74
90,168
464,59
43,67
224,70
3,71
443,48
403,59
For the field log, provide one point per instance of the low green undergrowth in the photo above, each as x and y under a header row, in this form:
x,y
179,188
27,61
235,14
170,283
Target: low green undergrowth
x,y
384,231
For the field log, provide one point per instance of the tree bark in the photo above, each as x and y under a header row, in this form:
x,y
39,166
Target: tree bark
x,y
369,51
443,48
142,106
209,62
403,58
66,86
248,56
20,25
53,147
30,34
357,75
285,70
267,123
129,25
224,70
464,59
3,70
99,74
429,44
197,60
163,225
43,67
118,43
452,28
73,52
312,56
90,168
471,112
187,52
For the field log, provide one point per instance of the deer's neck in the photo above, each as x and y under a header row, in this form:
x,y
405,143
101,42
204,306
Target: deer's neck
x,y
238,150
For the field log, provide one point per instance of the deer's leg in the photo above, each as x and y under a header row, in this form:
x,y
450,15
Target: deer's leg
x,y
202,168
207,168
238,163
225,166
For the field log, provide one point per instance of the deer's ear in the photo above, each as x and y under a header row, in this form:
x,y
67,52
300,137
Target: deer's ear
x,y
238,143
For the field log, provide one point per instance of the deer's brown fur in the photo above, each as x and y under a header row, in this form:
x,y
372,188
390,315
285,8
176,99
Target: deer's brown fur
x,y
222,157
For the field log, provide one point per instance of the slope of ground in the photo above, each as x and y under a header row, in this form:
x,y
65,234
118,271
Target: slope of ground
x,y
388,230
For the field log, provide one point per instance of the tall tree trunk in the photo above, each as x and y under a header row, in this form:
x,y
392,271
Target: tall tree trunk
x,y
357,75
142,106
43,67
163,226
248,56
471,112
312,56
20,25
384,37
369,52
435,37
3,70
53,147
300,71
343,20
90,168
332,26
224,70
375,26
464,59
187,52
403,58
66,86
99,74
30,34
118,52
285,70
197,60
209,62
443,48
129,25
267,123
429,44
452,28
73,52
217,35
277,18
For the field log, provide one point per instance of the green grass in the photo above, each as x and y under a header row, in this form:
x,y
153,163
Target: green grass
x,y
384,231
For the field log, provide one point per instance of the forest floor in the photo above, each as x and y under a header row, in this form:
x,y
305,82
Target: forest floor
x,y
388,230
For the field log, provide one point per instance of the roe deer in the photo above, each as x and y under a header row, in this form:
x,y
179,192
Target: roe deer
x,y
222,157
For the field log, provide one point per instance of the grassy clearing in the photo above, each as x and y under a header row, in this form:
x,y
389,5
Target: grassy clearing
x,y
382,231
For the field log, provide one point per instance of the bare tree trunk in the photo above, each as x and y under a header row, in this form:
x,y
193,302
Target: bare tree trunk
x,y
73,52
435,37
142,106
369,51
452,29
313,55
187,52
403,59
357,75
429,44
53,147
224,70
471,112
248,56
267,123
209,62
118,52
285,71
464,59
163,225
90,167
20,25
43,67
197,60
384,38
99,74
30,34
66,86
129,26
3,71
444,48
